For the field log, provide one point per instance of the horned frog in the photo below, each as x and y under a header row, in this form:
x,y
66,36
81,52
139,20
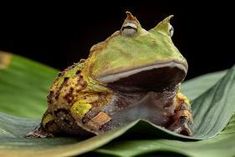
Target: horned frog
x,y
133,74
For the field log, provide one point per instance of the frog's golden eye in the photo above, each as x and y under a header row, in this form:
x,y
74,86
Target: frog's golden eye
x,y
129,29
171,30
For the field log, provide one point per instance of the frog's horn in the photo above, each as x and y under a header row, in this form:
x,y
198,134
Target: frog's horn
x,y
129,16
131,19
168,19
163,26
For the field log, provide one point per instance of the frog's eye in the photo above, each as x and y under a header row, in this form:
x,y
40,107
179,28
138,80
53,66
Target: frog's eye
x,y
171,30
129,29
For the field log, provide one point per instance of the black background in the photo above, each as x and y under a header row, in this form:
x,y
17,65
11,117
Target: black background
x,y
59,34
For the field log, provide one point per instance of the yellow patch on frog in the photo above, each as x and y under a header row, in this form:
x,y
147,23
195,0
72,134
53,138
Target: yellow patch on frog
x,y
73,81
5,59
100,119
183,98
47,119
80,108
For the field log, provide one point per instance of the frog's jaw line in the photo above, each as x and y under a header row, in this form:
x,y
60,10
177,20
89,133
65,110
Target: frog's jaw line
x,y
117,76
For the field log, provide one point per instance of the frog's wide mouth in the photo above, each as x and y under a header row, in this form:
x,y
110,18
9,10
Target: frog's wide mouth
x,y
153,76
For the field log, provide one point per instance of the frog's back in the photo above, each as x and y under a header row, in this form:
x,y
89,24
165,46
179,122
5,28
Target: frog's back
x,y
64,93
65,88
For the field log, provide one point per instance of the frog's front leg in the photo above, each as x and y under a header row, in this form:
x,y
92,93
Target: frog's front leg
x,y
183,115
47,127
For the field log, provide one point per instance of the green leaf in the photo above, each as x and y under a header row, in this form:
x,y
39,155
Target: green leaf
x,y
24,85
213,109
196,86
28,82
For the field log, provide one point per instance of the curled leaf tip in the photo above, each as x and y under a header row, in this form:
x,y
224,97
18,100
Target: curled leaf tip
x,y
5,59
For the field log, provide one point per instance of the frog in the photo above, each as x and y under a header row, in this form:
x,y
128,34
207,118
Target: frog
x,y
133,74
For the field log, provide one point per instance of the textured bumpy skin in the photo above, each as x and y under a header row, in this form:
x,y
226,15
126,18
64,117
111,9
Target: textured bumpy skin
x,y
133,74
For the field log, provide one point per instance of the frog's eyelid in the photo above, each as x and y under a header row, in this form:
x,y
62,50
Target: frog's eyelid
x,y
129,29
129,25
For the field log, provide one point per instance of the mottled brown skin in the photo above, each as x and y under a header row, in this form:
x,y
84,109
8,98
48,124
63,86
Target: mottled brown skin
x,y
80,104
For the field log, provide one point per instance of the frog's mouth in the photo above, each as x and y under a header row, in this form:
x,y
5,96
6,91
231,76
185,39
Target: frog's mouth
x,y
157,76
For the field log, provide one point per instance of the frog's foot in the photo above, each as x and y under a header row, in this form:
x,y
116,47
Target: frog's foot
x,y
183,116
38,132
181,123
47,127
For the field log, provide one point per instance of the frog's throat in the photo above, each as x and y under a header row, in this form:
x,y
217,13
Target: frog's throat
x,y
110,78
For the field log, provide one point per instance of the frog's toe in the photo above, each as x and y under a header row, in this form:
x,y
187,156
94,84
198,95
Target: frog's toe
x,y
38,133
181,126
